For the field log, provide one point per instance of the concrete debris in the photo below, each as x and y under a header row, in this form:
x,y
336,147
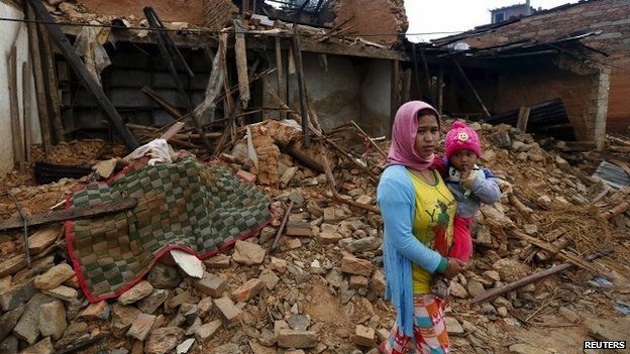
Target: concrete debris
x,y
322,288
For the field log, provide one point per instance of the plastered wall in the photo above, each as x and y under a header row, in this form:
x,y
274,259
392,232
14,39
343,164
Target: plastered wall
x,y
343,88
10,33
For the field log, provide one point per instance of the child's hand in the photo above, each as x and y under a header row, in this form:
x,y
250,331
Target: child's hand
x,y
467,177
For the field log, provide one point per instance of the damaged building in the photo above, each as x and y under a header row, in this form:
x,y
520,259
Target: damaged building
x,y
342,77
569,64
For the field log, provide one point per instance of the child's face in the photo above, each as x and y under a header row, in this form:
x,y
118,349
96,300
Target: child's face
x,y
463,160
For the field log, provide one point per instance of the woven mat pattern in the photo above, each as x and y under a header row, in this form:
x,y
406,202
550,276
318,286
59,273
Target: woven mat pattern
x,y
185,205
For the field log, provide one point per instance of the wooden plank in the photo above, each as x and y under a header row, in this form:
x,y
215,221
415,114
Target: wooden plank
x,y
26,108
206,109
93,87
174,129
298,229
240,51
52,87
280,75
523,118
38,75
297,56
68,214
16,127
160,101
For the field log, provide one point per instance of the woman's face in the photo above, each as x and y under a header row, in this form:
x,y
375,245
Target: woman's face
x,y
428,134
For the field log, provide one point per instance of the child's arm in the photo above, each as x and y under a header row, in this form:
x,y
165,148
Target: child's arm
x,y
485,187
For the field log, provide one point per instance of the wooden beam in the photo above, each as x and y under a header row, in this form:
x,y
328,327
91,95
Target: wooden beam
x,y
26,108
471,87
354,51
160,101
40,85
427,78
202,38
297,55
282,85
93,87
240,52
523,118
16,127
68,214
52,88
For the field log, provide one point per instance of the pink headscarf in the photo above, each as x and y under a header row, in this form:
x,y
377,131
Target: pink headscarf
x,y
402,150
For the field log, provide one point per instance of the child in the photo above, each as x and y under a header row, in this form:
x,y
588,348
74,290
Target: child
x,y
470,184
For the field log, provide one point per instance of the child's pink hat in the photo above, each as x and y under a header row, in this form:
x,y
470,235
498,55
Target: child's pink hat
x,y
461,137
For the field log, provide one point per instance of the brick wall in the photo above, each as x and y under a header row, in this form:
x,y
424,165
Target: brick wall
x,y
374,20
218,13
190,11
618,108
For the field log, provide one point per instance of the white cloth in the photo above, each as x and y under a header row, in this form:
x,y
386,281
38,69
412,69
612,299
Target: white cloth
x,y
157,149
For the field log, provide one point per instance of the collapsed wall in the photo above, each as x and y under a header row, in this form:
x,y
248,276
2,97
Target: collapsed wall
x,y
381,21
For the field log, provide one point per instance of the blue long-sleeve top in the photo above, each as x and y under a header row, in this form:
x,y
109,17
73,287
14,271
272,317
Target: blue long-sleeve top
x,y
396,199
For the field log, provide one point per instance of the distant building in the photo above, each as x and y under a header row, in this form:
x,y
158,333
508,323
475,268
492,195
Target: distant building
x,y
511,12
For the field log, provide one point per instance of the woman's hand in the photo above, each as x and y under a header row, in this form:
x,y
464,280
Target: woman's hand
x,y
454,267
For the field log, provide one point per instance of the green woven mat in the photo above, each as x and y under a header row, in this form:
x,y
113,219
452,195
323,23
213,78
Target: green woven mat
x,y
184,205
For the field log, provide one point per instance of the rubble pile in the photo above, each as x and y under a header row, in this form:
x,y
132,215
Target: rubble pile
x,y
320,289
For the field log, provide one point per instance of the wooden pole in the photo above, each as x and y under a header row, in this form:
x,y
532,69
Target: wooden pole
x,y
471,87
609,214
280,74
297,54
240,52
160,101
523,118
366,136
427,78
52,88
40,86
492,293
26,108
16,127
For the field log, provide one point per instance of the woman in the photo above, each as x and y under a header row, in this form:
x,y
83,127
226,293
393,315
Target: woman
x,y
418,211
